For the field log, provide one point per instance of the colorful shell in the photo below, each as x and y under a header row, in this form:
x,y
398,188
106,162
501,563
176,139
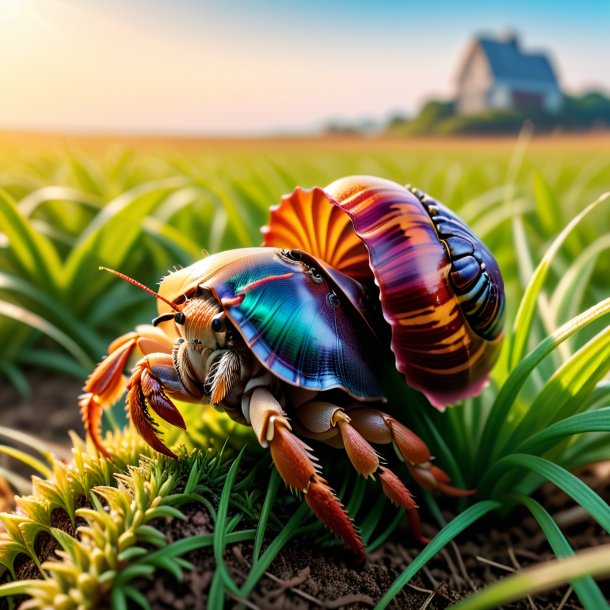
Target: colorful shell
x,y
306,324
440,288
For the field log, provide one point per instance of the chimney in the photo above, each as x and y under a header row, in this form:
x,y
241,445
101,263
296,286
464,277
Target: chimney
x,y
511,37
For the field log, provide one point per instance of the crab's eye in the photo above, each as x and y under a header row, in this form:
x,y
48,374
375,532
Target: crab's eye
x,y
180,318
218,323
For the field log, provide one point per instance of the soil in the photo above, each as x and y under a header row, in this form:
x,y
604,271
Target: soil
x,y
304,576
49,412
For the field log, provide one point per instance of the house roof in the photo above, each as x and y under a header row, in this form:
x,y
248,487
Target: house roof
x,y
508,61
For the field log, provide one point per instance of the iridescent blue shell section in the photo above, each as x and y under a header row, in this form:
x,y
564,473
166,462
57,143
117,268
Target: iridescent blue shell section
x,y
299,320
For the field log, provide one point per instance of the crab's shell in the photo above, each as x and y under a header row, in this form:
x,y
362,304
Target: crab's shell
x,y
440,288
305,322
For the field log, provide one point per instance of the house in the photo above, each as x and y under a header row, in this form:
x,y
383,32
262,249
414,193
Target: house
x,y
498,73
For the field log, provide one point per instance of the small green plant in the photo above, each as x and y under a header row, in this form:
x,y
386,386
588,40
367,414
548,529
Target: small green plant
x,y
104,521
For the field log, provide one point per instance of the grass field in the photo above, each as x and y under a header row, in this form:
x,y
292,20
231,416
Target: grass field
x,y
143,205
214,194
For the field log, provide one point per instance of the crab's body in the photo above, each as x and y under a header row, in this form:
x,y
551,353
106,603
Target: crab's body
x,y
291,342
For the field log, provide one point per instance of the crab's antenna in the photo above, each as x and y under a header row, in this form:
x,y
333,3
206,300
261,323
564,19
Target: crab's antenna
x,y
145,288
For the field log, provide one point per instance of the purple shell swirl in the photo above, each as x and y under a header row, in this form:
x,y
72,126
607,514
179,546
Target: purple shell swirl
x,y
440,288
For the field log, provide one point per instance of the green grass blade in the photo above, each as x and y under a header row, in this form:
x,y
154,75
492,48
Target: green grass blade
x,y
52,360
368,524
136,597
33,253
20,314
547,204
188,545
16,378
28,440
17,588
572,286
485,201
498,417
525,314
180,245
117,299
387,532
574,380
216,598
50,308
118,599
358,489
21,485
220,530
586,589
238,214
85,174
542,577
276,545
110,236
444,537
581,423
566,481
32,201
27,459
522,250
274,483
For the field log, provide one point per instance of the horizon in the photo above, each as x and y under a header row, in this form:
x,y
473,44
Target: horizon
x,y
262,68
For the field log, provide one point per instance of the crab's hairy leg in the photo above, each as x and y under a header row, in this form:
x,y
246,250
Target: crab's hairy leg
x,y
330,423
295,463
107,383
379,427
152,379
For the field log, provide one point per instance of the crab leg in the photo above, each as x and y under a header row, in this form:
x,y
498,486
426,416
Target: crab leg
x,y
107,382
378,427
329,423
295,463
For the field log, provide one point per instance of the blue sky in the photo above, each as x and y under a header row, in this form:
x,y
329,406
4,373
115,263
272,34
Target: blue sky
x,y
263,66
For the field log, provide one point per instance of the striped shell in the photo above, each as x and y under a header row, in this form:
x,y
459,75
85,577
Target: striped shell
x,y
440,288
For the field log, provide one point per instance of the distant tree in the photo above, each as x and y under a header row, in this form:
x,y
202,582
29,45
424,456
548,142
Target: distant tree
x,y
397,119
490,121
588,111
432,114
337,127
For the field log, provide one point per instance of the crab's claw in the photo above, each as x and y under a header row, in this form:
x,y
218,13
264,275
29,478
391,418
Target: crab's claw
x,y
432,478
150,376
146,390
105,386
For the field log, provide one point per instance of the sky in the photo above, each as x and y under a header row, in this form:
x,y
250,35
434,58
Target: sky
x,y
231,67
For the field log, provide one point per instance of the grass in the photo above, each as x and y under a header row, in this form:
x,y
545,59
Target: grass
x,y
65,214
541,210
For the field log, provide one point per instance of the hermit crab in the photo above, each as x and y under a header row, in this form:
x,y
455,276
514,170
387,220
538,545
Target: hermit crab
x,y
291,338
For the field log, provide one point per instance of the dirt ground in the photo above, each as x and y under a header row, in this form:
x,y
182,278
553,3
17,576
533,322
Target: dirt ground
x,y
50,412
587,141
304,576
